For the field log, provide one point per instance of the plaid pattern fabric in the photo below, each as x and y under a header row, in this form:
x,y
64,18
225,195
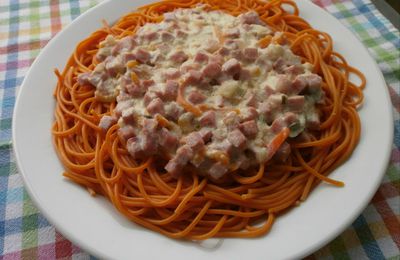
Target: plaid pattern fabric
x,y
25,28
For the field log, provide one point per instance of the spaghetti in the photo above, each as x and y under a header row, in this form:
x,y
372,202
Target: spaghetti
x,y
191,206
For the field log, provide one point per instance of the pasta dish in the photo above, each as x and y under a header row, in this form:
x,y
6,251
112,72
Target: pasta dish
x,y
204,118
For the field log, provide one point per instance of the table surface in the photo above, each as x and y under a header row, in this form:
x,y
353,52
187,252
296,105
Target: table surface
x,y
25,28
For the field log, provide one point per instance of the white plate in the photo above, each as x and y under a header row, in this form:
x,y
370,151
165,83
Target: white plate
x,y
94,225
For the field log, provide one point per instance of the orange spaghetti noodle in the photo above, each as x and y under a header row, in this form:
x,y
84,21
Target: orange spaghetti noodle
x,y
192,207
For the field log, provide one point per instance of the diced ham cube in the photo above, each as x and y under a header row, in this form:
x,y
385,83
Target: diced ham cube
x,y
173,111
126,43
250,54
243,162
192,77
313,121
268,90
290,118
184,154
171,73
106,122
217,170
129,115
149,143
167,139
212,70
181,34
135,90
248,113
201,57
285,121
166,36
186,67
208,119
83,78
194,140
173,168
249,128
295,103
224,51
267,111
134,147
245,74
170,90
151,36
250,18
148,97
206,135
314,82
294,69
114,66
232,66
251,99
156,106
231,120
224,146
283,84
217,58
128,57
196,97
142,55
179,57
232,33
146,83
126,132
237,139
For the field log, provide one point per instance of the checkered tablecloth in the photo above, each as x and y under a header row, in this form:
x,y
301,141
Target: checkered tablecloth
x,y
25,28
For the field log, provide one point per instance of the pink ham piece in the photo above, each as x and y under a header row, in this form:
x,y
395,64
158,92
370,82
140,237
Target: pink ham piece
x,y
232,33
249,128
237,139
148,97
248,113
193,77
250,18
208,119
179,57
232,66
171,90
206,134
156,106
195,97
283,84
129,116
250,54
126,132
106,122
167,139
217,170
296,103
166,36
83,78
212,70
183,155
173,111
194,140
201,57
231,120
171,73
142,55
